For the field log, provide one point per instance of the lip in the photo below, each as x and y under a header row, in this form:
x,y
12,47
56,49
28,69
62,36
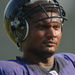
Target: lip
x,y
50,43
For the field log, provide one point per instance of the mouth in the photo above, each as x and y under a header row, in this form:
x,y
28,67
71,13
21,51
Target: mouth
x,y
50,43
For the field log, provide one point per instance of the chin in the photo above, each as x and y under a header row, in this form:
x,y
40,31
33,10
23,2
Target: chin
x,y
51,50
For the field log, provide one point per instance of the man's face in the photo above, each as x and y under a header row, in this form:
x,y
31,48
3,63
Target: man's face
x,y
44,36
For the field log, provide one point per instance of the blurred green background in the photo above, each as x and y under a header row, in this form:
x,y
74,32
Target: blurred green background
x,y
9,51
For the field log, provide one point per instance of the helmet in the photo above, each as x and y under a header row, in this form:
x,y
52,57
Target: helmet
x,y
17,12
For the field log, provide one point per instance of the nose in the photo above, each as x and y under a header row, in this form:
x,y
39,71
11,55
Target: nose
x,y
51,32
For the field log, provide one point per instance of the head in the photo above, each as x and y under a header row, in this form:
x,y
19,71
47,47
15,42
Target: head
x,y
35,27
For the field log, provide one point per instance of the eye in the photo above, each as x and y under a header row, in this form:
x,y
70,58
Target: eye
x,y
42,27
57,26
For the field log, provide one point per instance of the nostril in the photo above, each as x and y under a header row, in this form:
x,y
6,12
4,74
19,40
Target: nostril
x,y
51,33
49,36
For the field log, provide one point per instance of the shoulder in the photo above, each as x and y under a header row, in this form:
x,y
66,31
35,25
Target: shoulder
x,y
11,68
9,63
66,56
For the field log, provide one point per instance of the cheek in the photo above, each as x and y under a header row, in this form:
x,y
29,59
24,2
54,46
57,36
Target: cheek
x,y
59,32
59,36
36,38
38,35
41,33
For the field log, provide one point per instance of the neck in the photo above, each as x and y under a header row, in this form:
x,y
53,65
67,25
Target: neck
x,y
48,64
41,60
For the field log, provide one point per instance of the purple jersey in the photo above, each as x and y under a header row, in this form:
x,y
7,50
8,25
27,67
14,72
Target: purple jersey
x,y
65,66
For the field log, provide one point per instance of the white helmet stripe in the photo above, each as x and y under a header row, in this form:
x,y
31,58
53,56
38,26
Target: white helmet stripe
x,y
38,0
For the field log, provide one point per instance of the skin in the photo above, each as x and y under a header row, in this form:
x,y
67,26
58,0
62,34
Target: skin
x,y
43,40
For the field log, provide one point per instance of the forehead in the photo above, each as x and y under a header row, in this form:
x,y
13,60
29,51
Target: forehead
x,y
50,16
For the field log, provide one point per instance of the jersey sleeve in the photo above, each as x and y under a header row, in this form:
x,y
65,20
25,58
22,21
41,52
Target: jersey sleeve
x,y
1,72
2,66
11,68
69,56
